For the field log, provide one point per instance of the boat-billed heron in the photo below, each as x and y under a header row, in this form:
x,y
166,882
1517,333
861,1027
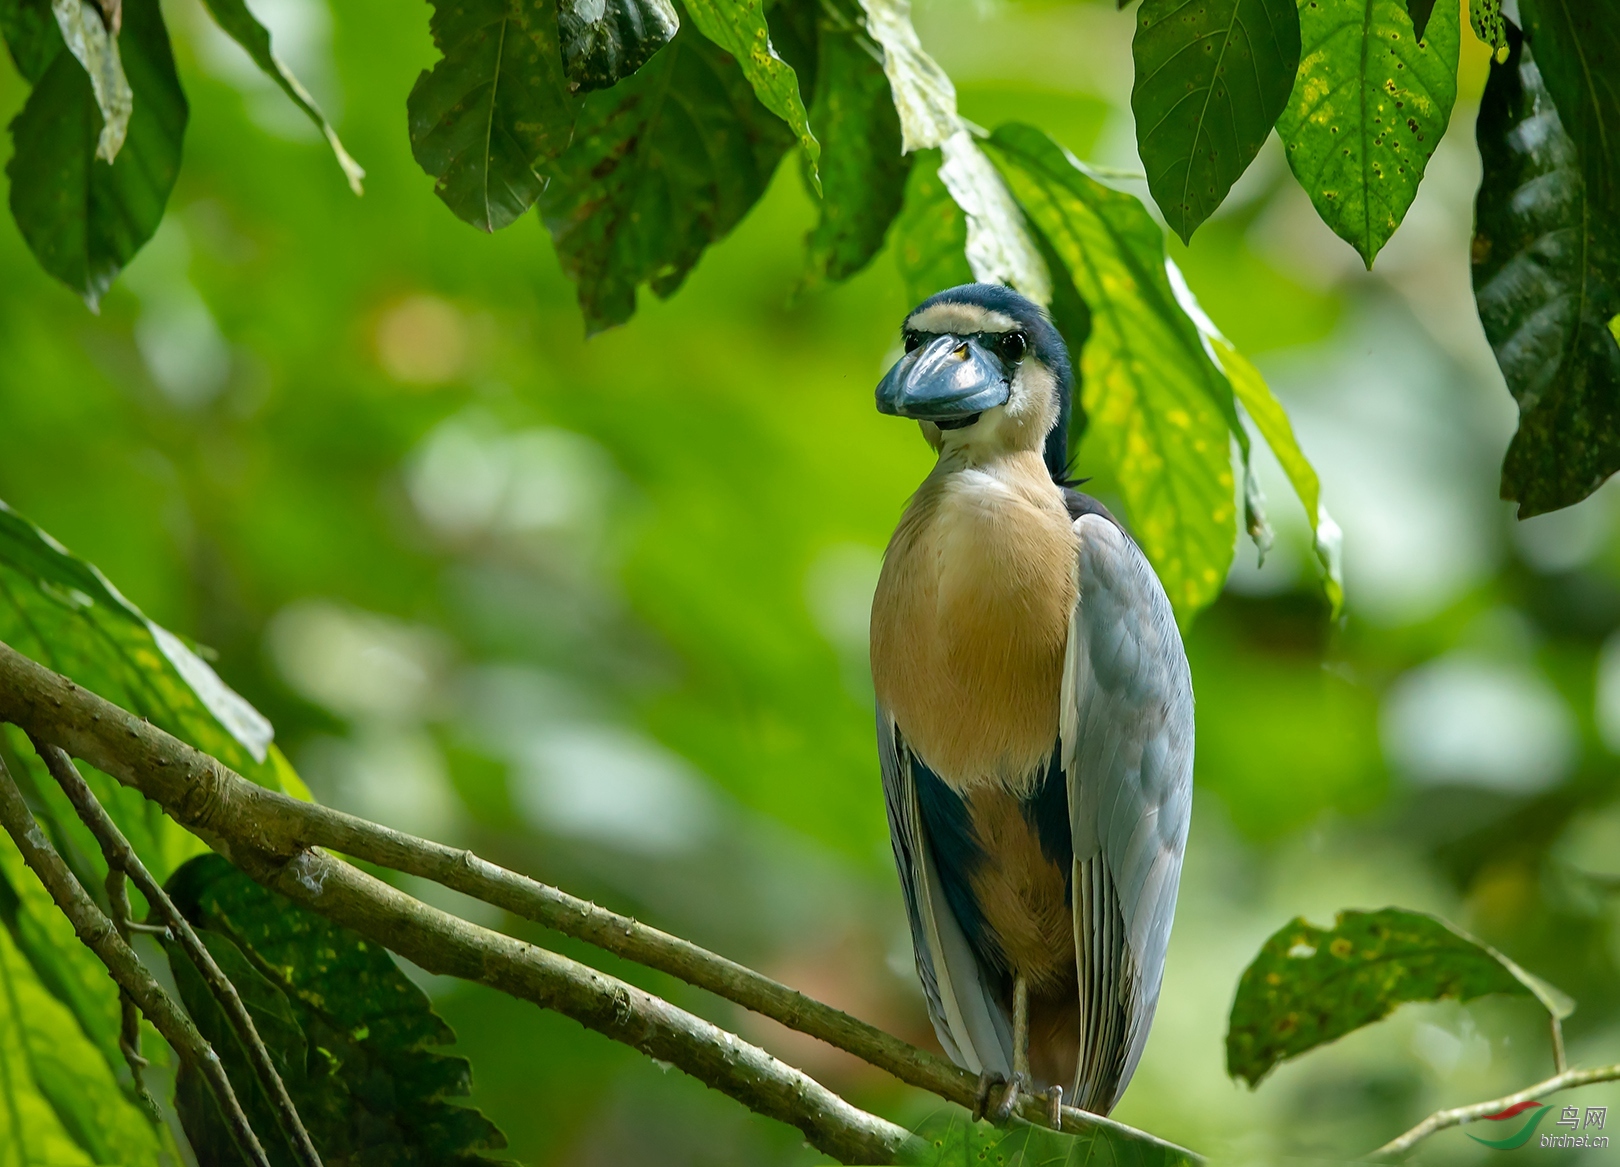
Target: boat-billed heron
x,y
1035,719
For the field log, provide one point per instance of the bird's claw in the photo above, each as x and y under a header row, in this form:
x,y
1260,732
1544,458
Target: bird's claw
x,y
1009,1100
1003,1109
981,1100
1054,1107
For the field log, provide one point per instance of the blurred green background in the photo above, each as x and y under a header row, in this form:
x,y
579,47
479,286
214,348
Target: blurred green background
x,y
598,609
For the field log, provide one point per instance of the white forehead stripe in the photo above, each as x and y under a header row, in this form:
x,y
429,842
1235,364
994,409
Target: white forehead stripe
x,y
961,319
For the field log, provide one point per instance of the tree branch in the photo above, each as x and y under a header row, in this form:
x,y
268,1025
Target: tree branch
x,y
121,859
98,934
1441,1119
232,813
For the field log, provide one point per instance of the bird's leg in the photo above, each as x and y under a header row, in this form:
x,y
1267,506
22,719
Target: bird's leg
x,y
1020,1076
981,1100
1054,1107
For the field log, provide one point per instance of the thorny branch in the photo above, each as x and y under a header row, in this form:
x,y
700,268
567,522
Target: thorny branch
x,y
1441,1119
122,860
98,934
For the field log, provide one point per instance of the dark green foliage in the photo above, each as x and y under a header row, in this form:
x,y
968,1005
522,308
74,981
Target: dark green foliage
x,y
349,1033
31,35
495,110
863,173
1420,11
930,234
1309,986
1547,262
1369,106
604,41
952,1141
1211,78
83,219
652,179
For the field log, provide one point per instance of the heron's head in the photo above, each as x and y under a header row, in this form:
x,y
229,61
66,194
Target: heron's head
x,y
986,374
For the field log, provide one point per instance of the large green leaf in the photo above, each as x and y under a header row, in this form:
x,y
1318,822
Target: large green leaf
x,y
244,28
1369,106
1160,413
863,172
1211,78
604,41
352,1037
1547,267
662,165
60,1105
32,36
495,110
930,234
1309,986
950,1140
82,218
738,26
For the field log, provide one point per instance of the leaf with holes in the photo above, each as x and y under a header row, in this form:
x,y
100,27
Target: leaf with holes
x,y
1211,78
494,111
1160,414
1309,986
604,41
1547,274
652,179
1369,106
1486,19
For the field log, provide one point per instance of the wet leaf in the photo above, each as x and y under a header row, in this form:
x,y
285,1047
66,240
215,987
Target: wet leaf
x,y
1369,106
1547,271
494,112
604,41
1309,986
1211,78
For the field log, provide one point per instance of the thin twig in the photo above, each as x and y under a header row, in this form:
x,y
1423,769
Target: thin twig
x,y
231,814
1441,1119
129,1017
1559,1064
97,933
121,858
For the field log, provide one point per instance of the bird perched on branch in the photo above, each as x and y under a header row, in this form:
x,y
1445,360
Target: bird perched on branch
x,y
1035,719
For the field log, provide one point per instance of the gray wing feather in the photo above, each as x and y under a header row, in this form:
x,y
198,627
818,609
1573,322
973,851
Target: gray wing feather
x,y
1127,742
972,1027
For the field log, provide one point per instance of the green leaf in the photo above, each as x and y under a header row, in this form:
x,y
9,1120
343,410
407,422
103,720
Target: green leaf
x,y
244,28
32,36
494,111
951,1140
60,1105
1485,18
83,219
97,52
1211,78
1309,986
738,27
662,165
863,171
924,97
351,1035
1160,413
604,41
1368,108
930,234
1547,268
1420,11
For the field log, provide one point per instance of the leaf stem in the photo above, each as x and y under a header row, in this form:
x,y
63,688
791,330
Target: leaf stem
x,y
1441,1119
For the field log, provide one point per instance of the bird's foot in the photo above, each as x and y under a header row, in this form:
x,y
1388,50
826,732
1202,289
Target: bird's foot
x,y
1054,1107
1009,1100
981,1100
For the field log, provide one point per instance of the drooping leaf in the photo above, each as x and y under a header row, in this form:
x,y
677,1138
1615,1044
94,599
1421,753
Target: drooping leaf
x,y
60,1104
930,234
1486,19
738,27
604,41
83,219
97,52
1369,106
950,1140
924,97
1546,268
244,28
354,1040
487,120
1000,249
1211,78
863,172
1160,413
651,179
1309,986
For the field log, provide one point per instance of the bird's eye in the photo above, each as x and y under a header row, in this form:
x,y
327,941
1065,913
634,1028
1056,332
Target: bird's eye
x,y
1013,346
912,340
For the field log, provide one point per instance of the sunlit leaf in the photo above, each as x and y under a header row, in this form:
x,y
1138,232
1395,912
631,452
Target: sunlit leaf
x,y
495,110
604,41
244,28
951,1140
1211,78
924,97
1160,412
863,172
738,27
352,1037
999,248
1547,273
83,219
1309,986
649,183
1369,106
